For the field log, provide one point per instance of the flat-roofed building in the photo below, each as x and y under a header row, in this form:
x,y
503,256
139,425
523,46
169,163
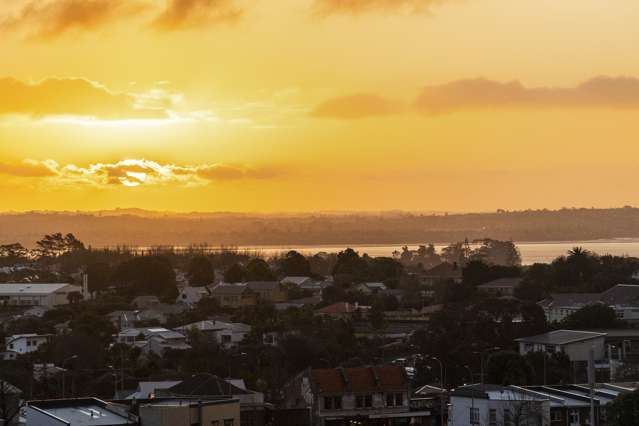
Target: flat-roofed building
x,y
76,412
30,294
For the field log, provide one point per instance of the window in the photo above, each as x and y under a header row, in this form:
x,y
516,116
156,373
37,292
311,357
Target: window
x,y
508,417
474,416
399,399
368,401
328,402
573,417
555,416
332,402
337,402
359,401
492,417
215,423
390,399
229,422
226,338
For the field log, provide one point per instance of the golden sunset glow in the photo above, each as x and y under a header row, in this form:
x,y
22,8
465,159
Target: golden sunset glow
x,y
307,105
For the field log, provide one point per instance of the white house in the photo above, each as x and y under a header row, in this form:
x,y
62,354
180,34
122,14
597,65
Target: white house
x,y
372,288
155,339
25,343
30,294
494,405
575,344
227,334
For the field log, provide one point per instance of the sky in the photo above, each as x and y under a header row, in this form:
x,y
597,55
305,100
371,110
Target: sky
x,y
318,105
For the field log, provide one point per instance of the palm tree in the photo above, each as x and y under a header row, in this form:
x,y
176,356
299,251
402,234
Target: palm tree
x,y
578,251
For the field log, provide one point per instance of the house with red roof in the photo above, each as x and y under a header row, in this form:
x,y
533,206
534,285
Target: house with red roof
x,y
374,395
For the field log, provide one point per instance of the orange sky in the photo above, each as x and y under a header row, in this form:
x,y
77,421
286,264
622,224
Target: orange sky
x,y
304,105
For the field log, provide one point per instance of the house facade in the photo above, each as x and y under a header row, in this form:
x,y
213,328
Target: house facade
x,y
234,295
377,395
25,343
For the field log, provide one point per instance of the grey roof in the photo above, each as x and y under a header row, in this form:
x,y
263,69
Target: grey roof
x,y
229,289
621,294
80,412
15,289
569,299
262,285
511,282
561,337
294,280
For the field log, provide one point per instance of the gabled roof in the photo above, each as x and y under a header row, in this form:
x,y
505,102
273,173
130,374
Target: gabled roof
x,y
511,282
206,384
225,289
145,389
558,300
294,280
340,308
621,294
444,270
561,337
359,379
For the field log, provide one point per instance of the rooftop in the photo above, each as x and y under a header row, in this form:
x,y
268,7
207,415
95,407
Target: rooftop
x,y
360,379
80,412
561,337
511,282
15,289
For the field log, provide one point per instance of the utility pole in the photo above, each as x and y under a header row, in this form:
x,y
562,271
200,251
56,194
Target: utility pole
x,y
591,381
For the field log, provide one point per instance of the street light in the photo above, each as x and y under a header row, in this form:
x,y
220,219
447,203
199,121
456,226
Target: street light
x,y
72,357
441,386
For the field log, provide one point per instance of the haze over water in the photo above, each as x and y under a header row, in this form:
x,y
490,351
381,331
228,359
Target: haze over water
x,y
543,252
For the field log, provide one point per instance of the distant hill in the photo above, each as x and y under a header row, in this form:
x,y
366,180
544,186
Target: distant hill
x,y
142,227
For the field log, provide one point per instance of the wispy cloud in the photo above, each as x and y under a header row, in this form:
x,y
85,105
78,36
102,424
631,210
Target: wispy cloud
x,y
357,7
185,14
483,94
49,19
81,98
135,172
356,106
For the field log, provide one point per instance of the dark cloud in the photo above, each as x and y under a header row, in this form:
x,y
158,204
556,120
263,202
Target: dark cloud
x,y
185,14
47,19
618,92
27,168
356,7
356,106
70,96
478,94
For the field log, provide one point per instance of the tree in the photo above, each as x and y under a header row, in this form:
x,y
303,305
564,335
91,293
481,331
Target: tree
x,y
148,275
200,271
295,264
235,274
56,245
624,410
593,316
99,276
350,266
456,253
376,316
12,253
258,270
496,252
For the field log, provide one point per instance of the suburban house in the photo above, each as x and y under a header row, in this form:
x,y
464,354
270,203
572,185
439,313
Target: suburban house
x,y
575,344
270,291
227,334
494,405
48,295
25,343
147,390
623,298
500,287
156,340
360,395
342,310
190,296
372,288
443,272
234,295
